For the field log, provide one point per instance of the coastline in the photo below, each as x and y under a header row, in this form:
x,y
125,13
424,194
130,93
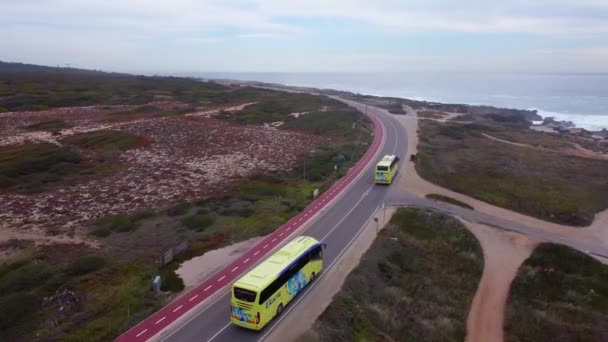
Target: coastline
x,y
586,109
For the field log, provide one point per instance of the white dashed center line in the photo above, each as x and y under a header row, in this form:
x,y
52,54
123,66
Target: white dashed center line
x,y
142,332
177,308
246,261
222,278
160,320
256,253
207,288
191,299
234,269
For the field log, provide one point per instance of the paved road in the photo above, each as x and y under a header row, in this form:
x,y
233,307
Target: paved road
x,y
337,227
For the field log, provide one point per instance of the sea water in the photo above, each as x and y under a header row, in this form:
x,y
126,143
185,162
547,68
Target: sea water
x,y
580,98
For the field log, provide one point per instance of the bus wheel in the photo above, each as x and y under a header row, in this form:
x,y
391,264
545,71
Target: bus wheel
x,y
312,277
280,309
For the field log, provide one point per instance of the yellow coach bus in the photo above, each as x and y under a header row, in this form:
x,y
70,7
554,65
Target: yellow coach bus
x,y
386,169
262,293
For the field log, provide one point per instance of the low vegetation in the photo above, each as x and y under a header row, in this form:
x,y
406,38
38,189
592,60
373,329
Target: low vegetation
x,y
104,140
120,223
447,199
551,186
104,292
29,167
559,294
415,283
50,125
31,87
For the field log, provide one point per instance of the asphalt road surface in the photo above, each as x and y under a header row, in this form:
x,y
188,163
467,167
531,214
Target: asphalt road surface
x,y
337,227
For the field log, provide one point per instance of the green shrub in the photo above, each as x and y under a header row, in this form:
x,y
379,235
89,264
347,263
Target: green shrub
x,y
179,209
115,223
16,309
51,125
198,221
246,212
86,264
26,277
35,164
142,215
170,281
104,140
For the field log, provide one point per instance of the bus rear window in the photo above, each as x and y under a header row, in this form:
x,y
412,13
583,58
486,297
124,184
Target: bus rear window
x,y
244,295
382,168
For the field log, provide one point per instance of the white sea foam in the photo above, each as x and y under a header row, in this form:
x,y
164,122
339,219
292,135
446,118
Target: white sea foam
x,y
595,122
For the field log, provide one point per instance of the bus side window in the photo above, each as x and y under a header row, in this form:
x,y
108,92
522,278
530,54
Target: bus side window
x,y
317,253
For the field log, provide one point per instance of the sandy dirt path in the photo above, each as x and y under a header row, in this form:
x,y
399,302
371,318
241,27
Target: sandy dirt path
x,y
503,253
197,269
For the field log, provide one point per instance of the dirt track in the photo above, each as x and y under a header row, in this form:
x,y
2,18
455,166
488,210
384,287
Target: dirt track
x,y
503,253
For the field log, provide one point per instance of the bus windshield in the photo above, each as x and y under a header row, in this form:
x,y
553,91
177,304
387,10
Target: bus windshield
x,y
382,168
244,295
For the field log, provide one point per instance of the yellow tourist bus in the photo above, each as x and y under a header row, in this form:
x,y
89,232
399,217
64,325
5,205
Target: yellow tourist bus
x,y
262,293
386,169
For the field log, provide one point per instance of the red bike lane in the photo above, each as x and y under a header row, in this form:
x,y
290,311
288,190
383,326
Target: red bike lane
x,y
158,321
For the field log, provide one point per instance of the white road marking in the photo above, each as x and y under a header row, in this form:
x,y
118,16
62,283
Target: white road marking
x,y
350,211
177,308
234,269
246,261
207,288
273,240
191,299
266,245
222,278
219,332
256,253
281,234
142,332
160,320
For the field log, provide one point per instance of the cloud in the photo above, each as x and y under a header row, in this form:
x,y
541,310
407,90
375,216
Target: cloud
x,y
152,34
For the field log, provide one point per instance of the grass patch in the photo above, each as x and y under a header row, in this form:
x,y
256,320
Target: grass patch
x,y
323,122
198,221
415,283
104,140
148,111
450,200
29,167
86,264
559,294
120,223
51,125
179,209
551,186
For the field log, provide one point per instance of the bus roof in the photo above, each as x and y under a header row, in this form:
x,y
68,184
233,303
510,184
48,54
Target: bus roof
x,y
266,272
387,160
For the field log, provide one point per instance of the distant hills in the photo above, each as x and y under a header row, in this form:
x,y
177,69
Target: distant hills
x,y
10,67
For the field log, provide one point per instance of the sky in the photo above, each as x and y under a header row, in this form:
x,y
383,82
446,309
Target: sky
x,y
172,36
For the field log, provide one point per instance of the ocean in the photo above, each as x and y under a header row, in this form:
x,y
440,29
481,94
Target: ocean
x,y
580,98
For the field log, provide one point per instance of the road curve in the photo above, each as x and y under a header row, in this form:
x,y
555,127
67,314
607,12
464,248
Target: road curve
x,y
334,224
337,227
